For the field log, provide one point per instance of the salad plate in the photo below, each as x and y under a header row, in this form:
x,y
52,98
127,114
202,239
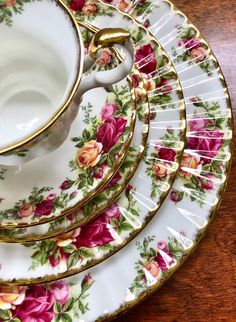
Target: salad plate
x,y
83,247
42,191
154,255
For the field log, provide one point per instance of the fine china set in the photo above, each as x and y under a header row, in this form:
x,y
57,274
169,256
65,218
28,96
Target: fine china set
x,y
115,149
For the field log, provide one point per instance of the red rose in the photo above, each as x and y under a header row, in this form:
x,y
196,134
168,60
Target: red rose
x,y
37,306
77,5
135,80
145,59
44,208
113,181
110,131
164,263
208,143
167,154
94,234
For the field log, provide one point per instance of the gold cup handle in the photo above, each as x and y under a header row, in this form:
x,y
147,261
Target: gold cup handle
x,y
116,38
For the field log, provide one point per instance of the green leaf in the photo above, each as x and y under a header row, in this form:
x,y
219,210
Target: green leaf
x,y
73,260
85,252
69,305
87,209
5,314
125,226
64,317
69,249
15,320
86,134
57,307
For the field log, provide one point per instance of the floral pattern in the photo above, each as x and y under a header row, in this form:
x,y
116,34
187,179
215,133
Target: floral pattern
x,y
10,7
59,301
154,262
192,50
203,166
97,150
158,170
81,245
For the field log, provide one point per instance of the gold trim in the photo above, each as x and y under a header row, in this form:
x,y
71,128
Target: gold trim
x,y
125,308
149,217
71,92
107,37
116,194
106,179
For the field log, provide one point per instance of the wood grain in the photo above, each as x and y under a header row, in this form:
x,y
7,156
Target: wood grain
x,y
203,289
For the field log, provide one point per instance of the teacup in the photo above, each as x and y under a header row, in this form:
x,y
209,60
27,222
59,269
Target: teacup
x,y
41,67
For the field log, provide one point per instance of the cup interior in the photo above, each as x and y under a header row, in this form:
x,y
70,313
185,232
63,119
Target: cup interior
x,y
40,58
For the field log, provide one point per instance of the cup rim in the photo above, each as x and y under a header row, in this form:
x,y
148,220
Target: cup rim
x,y
71,92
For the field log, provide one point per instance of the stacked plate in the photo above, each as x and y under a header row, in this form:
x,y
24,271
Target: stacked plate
x,y
91,229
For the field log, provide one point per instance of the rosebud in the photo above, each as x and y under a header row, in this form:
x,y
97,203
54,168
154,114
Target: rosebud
x,y
176,196
88,280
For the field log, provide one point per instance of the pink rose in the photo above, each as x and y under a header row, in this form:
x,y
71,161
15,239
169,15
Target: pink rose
x,y
108,110
198,123
51,197
44,208
110,131
145,59
112,212
113,181
166,154
192,43
161,245
105,58
94,234
26,210
198,54
60,291
77,5
37,306
209,142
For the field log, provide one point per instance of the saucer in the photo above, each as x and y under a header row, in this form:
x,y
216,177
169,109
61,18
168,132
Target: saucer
x,y
64,180
84,247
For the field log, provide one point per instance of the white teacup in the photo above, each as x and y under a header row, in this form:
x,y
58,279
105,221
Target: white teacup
x,y
41,84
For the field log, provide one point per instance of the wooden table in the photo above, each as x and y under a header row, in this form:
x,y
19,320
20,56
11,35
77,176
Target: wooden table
x,y
202,289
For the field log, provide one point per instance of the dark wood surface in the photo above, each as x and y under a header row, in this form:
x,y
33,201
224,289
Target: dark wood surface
x,y
202,289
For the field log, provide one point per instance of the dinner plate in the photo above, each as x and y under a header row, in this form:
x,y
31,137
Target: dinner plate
x,y
84,247
63,181
124,280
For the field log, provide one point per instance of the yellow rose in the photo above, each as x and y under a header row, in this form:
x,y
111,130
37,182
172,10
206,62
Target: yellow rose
x,y
153,268
11,296
89,9
149,85
68,238
89,155
191,162
123,5
160,170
